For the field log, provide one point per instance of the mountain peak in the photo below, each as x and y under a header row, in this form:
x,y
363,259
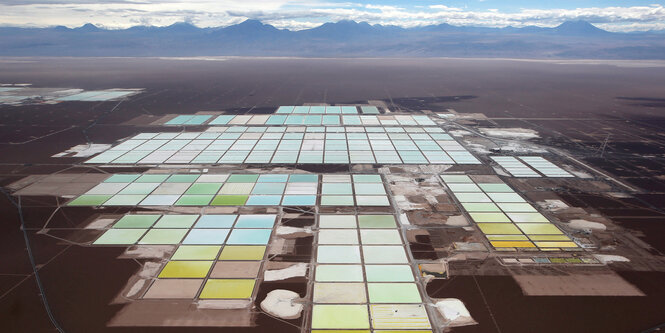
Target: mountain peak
x,y
578,28
348,22
438,27
249,28
181,27
344,29
182,24
251,23
89,27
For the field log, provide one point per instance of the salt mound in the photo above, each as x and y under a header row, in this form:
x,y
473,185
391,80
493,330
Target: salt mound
x,y
280,303
586,225
297,270
293,232
609,258
454,312
85,150
517,133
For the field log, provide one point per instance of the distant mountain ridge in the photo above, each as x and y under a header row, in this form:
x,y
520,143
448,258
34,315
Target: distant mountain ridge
x,y
577,27
571,39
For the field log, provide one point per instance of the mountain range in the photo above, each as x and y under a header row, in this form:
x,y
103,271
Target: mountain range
x,y
572,39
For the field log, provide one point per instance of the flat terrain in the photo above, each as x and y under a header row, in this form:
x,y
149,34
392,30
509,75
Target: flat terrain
x,y
573,106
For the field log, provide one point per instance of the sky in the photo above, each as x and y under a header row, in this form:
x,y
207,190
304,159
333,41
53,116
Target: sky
x,y
613,15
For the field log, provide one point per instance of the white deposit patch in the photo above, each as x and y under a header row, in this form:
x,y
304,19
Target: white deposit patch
x,y
150,270
296,270
149,251
292,232
553,205
580,174
609,258
619,195
470,247
280,303
404,204
431,199
84,150
136,288
454,312
500,172
476,147
586,225
517,133
521,148
457,221
459,133
100,224
435,168
403,219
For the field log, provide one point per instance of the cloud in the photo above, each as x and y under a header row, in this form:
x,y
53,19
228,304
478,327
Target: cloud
x,y
384,8
296,15
292,24
446,8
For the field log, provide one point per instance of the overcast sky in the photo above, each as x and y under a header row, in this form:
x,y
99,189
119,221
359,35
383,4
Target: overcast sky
x,y
614,15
